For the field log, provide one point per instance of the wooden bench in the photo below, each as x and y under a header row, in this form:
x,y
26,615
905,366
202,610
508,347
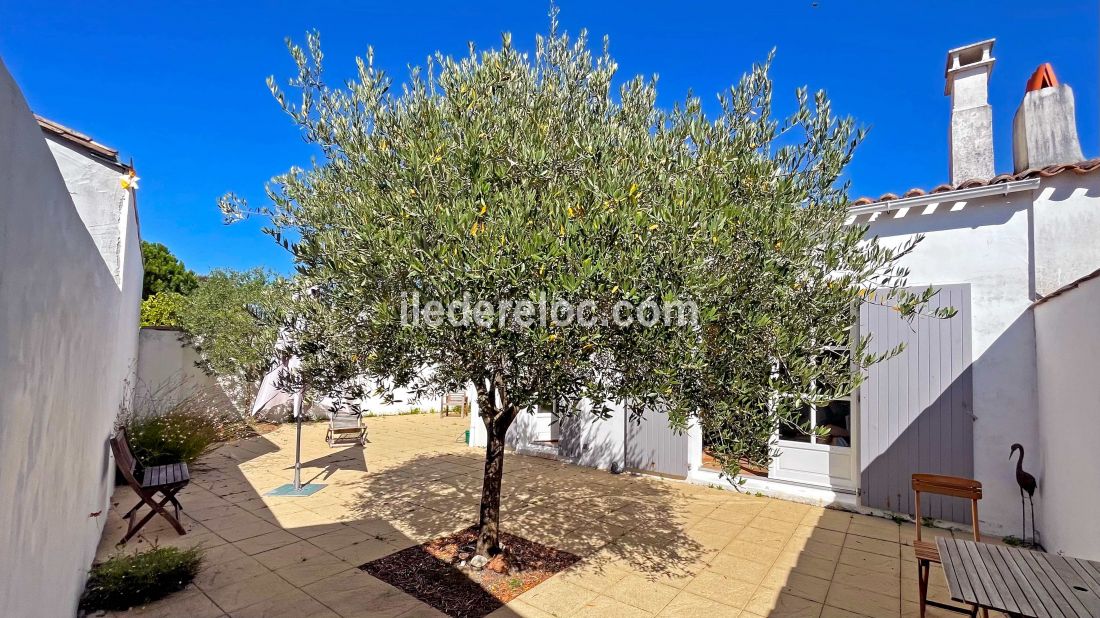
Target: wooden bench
x,y
147,482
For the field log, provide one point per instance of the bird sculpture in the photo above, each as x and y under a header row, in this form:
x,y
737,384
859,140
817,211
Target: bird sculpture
x,y
1027,484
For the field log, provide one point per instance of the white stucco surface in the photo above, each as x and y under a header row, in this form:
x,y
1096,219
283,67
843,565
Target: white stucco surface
x,y
1067,226
68,346
984,243
1068,333
600,441
167,371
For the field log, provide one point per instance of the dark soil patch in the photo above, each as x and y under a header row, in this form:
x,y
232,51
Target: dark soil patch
x,y
433,573
262,427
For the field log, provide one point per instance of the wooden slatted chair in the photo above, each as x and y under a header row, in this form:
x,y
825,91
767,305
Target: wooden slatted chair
x,y
147,482
454,400
343,425
927,552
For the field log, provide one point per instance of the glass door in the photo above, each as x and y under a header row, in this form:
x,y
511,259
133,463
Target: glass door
x,y
827,460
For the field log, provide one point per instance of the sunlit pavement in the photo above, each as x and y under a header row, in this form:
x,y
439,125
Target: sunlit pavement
x,y
650,546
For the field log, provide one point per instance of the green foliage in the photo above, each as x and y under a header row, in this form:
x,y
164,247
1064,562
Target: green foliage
x,y
231,319
164,272
127,581
162,309
507,175
173,422
178,435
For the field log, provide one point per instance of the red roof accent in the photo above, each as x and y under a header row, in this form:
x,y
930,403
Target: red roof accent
x,y
1084,167
1043,77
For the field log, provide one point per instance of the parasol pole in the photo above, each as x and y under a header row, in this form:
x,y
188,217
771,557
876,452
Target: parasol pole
x,y
298,442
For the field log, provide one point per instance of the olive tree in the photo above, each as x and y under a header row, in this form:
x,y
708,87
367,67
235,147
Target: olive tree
x,y
504,178
232,319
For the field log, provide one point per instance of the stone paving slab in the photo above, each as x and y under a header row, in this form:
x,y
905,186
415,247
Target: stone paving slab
x,y
650,547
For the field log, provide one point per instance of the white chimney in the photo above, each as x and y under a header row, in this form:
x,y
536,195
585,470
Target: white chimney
x,y
971,140
1044,131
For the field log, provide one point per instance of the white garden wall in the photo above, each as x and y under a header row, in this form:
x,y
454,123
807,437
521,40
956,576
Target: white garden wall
x,y
1067,329
68,345
167,372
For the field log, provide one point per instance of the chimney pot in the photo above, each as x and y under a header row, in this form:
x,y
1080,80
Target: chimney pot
x,y
971,138
1044,130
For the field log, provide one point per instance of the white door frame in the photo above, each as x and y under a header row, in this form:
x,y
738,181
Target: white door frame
x,y
821,465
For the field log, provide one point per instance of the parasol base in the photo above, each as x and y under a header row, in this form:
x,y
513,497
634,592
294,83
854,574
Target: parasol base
x,y
288,491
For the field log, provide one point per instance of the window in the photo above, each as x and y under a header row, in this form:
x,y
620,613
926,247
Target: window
x,y
836,416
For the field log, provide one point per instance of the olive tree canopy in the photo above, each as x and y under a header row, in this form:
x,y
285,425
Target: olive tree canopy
x,y
506,177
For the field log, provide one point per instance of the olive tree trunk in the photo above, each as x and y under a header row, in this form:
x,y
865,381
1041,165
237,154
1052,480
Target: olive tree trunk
x,y
488,538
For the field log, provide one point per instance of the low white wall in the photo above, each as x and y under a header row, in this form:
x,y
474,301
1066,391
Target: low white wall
x,y
68,345
167,372
1067,329
601,440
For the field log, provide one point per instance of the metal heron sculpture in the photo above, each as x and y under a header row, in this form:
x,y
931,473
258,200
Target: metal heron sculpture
x,y
1027,484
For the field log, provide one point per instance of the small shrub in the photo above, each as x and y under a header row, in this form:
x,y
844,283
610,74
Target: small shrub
x,y
162,309
130,581
180,435
164,427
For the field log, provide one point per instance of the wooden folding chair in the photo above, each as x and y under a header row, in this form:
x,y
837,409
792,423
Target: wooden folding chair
x,y
926,552
147,482
454,400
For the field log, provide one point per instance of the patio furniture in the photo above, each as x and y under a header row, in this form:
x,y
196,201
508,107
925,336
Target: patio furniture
x,y
926,552
147,482
345,426
1020,582
454,400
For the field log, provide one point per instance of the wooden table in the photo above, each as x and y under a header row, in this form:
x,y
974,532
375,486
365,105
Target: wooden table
x,y
1020,582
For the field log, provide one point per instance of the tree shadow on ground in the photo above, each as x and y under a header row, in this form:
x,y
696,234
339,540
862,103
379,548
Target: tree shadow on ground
x,y
604,518
612,522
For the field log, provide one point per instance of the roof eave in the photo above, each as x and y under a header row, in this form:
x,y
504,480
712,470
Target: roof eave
x,y
958,195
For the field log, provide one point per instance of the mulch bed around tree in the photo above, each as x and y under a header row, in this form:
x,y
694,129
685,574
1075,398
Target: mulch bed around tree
x,y
434,573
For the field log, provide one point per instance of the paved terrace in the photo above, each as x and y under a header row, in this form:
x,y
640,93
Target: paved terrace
x,y
650,546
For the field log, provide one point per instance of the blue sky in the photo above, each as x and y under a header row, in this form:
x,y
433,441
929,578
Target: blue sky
x,y
179,86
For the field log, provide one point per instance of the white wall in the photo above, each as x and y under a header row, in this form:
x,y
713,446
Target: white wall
x,y
1067,225
167,371
601,440
1068,333
985,243
68,342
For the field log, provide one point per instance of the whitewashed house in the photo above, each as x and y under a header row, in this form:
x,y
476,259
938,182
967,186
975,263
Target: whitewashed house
x,y
967,388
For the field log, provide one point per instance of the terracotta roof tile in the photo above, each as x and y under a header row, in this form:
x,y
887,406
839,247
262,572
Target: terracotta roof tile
x,y
1084,167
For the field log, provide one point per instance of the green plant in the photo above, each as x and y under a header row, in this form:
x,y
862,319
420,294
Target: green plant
x,y
162,309
168,425
164,272
511,178
232,319
129,581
